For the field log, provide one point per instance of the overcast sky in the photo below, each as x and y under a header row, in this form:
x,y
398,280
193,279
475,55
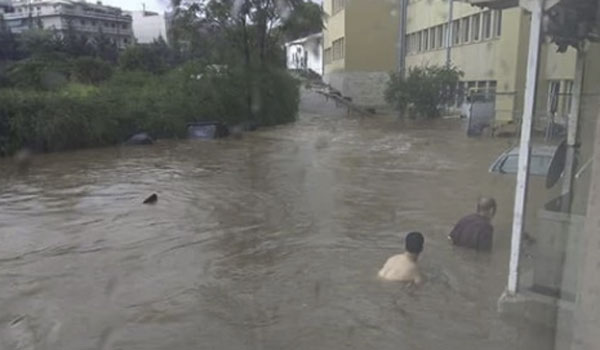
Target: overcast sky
x,y
151,5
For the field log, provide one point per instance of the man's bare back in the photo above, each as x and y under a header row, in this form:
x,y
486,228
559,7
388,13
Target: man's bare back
x,y
401,268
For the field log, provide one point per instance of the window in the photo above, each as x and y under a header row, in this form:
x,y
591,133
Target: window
x,y
481,87
498,22
487,25
82,22
419,42
465,28
337,6
94,22
456,32
491,90
113,25
425,40
475,27
568,96
432,42
440,36
445,34
327,55
338,49
124,26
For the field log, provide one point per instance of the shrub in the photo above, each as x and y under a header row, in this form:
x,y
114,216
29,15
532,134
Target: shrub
x,y
79,115
90,70
425,88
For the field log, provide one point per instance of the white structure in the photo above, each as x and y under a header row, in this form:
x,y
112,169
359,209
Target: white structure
x,y
306,53
5,6
86,19
148,26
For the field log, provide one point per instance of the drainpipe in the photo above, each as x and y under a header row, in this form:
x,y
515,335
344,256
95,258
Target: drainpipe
x,y
449,33
402,15
535,38
572,128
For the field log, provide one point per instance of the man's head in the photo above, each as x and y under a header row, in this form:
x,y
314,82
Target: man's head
x,y
414,243
486,206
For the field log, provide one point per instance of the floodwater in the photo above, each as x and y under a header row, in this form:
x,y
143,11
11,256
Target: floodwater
x,y
272,241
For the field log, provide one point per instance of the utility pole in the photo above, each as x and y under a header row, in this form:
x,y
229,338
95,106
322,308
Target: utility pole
x,y
402,16
449,33
533,63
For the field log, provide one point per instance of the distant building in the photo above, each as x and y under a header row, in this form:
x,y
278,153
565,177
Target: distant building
x,y
86,19
306,53
360,47
148,26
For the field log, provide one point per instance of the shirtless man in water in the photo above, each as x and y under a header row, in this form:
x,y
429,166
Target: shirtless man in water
x,y
403,267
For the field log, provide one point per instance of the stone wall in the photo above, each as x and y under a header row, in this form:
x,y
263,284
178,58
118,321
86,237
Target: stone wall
x,y
367,89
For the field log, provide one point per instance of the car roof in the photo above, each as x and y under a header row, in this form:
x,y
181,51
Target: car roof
x,y
536,150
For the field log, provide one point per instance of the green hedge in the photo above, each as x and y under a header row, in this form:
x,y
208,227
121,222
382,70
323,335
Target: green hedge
x,y
78,116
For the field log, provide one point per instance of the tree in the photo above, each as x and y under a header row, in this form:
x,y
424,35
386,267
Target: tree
x,y
8,43
90,70
427,89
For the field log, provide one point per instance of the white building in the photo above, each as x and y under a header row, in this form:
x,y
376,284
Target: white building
x,y
148,26
306,53
5,6
86,19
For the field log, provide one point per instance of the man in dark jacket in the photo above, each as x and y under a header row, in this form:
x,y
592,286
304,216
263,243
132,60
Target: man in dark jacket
x,y
475,231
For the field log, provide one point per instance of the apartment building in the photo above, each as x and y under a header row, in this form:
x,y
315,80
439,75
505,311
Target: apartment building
x,y
490,47
360,47
86,19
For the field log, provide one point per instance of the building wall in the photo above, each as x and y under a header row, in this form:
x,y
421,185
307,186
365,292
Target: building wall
x,y
587,310
500,59
148,26
86,19
312,48
369,29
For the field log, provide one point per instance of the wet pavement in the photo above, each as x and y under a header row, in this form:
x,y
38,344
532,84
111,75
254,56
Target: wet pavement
x,y
272,241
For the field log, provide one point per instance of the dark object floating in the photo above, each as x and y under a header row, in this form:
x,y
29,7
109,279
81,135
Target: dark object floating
x,y
140,139
557,165
207,130
152,199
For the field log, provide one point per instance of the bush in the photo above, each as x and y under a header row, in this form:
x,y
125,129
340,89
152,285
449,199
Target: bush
x,y
425,88
89,70
79,115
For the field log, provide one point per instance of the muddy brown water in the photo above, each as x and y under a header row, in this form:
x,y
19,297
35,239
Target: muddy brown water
x,y
271,241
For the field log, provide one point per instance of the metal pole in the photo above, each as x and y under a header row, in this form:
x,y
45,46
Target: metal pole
x,y
572,128
402,36
535,36
449,33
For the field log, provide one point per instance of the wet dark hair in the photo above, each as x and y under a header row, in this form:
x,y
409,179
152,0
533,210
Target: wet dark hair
x,y
414,242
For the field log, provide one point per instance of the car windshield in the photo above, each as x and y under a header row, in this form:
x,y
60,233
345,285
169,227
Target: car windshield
x,y
299,174
538,165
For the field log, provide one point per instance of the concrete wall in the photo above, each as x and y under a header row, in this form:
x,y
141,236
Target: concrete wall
x,y
587,311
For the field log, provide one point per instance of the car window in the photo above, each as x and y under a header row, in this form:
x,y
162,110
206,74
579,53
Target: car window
x,y
510,165
538,165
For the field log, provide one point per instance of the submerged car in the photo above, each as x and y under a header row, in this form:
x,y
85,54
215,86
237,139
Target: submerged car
x,y
539,163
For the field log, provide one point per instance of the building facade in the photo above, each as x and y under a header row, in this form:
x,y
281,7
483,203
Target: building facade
x,y
85,19
360,48
490,47
148,26
5,6
306,54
